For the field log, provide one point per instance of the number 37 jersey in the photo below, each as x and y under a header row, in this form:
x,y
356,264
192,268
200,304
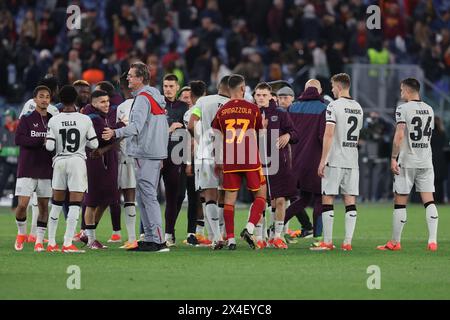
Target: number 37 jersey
x,y
347,115
239,122
70,133
415,151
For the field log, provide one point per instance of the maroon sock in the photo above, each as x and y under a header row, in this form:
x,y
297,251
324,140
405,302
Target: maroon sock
x,y
115,216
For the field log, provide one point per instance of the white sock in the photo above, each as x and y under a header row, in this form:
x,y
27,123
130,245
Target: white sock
x,y
264,226
350,223
90,234
259,230
250,227
432,221
130,221
328,219
221,220
168,237
209,230
200,229
71,224
21,227
231,241
272,223
116,232
40,232
399,221
212,214
34,219
53,219
279,225
286,227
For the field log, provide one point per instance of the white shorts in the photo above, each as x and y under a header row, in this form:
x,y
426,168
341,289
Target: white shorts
x,y
70,173
25,187
127,176
344,178
205,177
423,179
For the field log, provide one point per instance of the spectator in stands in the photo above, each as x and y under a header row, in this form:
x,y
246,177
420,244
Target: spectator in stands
x,y
9,152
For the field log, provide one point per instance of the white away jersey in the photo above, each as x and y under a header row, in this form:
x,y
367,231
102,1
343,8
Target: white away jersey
x,y
70,133
206,109
123,112
30,106
347,115
415,151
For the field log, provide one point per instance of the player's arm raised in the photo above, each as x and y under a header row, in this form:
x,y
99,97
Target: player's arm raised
x,y
398,139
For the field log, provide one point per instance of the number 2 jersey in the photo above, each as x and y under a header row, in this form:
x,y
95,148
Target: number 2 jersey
x,y
415,151
347,115
239,121
70,133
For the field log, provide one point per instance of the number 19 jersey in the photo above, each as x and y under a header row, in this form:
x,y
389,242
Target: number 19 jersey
x,y
415,151
71,132
347,115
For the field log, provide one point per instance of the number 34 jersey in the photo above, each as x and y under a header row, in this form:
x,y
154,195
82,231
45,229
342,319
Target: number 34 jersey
x,y
415,151
70,133
347,115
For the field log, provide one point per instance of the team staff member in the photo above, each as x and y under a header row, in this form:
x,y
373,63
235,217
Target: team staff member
x,y
149,135
173,174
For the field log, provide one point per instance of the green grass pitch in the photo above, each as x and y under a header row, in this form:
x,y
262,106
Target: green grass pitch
x,y
200,273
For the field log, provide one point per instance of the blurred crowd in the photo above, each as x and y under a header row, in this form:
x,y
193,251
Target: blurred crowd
x,y
204,39
264,40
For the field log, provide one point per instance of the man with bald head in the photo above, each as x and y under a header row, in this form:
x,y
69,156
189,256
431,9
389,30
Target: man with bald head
x,y
308,116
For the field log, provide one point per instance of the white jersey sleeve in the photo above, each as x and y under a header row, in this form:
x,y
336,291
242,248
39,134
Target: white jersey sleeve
x,y
208,107
347,115
50,142
415,151
123,112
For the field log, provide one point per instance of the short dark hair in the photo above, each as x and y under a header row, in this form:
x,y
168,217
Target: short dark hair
x,y
99,93
235,81
41,88
50,82
224,82
342,78
263,86
171,77
411,83
141,71
107,87
198,88
186,88
68,95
